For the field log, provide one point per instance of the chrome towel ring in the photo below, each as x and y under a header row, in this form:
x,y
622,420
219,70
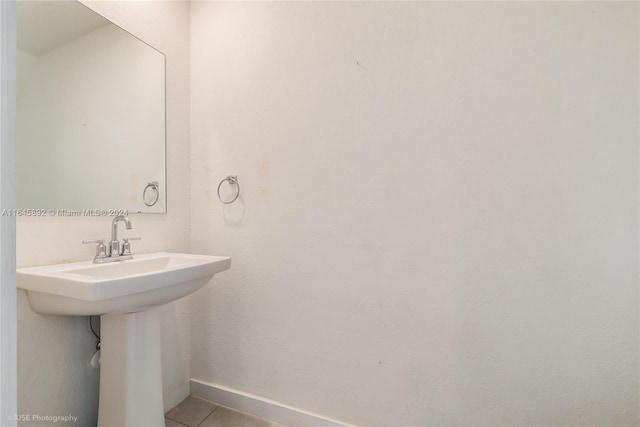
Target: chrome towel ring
x,y
154,186
232,179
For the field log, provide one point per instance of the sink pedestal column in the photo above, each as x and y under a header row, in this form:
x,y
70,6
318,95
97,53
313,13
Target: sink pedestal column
x,y
130,370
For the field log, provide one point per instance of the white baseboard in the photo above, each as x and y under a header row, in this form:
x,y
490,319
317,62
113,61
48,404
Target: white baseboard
x,y
260,406
172,399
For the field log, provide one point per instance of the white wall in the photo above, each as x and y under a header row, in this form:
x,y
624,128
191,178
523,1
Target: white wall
x,y
439,212
53,372
8,329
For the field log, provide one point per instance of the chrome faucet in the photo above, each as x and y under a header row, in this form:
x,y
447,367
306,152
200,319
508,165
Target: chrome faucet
x,y
114,253
114,247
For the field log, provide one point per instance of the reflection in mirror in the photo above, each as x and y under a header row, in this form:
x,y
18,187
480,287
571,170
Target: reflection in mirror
x,y
90,128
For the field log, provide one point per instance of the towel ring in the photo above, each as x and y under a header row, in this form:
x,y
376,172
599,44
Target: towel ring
x,y
232,180
153,185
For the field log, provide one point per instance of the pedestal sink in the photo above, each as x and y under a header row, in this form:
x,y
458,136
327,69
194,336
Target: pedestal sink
x,y
126,295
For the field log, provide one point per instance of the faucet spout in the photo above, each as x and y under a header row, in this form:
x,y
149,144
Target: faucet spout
x,y
114,247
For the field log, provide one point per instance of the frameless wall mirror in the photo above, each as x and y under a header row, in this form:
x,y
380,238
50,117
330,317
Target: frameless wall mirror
x,y
90,128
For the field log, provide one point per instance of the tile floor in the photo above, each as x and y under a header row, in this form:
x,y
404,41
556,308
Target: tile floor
x,y
196,412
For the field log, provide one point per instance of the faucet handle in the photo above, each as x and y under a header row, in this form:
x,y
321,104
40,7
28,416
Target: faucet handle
x,y
101,249
126,246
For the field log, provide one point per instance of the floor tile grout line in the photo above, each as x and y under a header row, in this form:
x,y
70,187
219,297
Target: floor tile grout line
x,y
216,406
210,413
194,423
177,422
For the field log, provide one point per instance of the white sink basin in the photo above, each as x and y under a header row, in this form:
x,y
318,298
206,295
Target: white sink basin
x,y
84,288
